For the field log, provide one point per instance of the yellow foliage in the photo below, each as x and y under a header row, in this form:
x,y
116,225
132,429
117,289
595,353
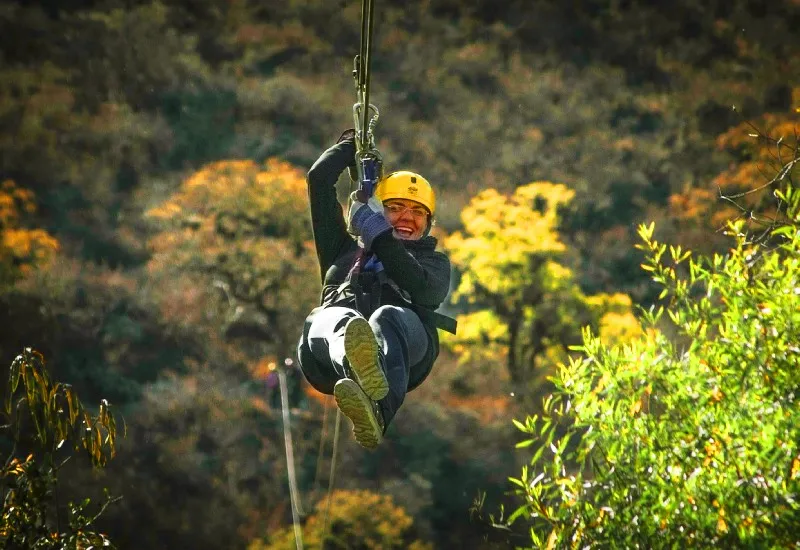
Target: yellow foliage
x,y
502,232
480,338
618,324
514,279
21,249
357,519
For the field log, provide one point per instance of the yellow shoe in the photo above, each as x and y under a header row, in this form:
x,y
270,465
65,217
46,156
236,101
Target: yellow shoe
x,y
363,354
362,412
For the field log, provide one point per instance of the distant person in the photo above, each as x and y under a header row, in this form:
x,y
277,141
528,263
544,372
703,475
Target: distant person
x,y
370,343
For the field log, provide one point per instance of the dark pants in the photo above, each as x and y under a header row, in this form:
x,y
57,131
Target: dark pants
x,y
401,338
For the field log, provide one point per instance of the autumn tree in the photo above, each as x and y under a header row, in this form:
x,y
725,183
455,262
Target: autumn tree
x,y
235,244
352,519
524,304
22,248
762,154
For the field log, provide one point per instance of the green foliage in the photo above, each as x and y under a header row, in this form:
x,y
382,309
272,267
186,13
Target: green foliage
x,y
209,439
45,416
690,441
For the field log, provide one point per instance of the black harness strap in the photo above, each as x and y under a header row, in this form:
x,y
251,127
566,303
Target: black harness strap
x,y
364,290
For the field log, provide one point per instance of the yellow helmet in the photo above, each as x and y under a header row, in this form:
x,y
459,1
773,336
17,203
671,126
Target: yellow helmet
x,y
407,185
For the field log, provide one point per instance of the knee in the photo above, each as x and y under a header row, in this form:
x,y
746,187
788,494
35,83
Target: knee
x,y
387,312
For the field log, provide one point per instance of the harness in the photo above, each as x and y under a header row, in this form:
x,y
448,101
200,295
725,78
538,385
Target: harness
x,y
364,289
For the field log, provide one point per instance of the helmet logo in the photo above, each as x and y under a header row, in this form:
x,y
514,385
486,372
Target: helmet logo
x,y
413,179
413,189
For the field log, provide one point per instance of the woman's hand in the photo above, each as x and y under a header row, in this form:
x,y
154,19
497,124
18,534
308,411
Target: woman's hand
x,y
360,212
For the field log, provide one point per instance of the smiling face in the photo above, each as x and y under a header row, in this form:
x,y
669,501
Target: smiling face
x,y
408,218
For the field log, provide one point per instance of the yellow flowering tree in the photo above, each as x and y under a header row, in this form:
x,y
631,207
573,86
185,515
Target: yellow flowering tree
x,y
234,244
21,248
355,519
524,304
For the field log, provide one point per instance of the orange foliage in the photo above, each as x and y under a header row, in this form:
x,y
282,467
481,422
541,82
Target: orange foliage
x,y
317,396
263,368
691,203
21,249
763,151
239,231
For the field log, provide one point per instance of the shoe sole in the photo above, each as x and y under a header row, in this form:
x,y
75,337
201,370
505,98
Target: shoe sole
x,y
362,352
356,406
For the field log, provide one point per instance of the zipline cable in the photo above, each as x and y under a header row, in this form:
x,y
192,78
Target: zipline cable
x,y
365,57
365,115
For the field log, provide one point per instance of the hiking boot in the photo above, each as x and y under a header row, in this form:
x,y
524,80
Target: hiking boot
x,y
363,355
362,412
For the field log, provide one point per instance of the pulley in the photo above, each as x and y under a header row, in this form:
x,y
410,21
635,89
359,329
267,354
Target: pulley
x,y
369,162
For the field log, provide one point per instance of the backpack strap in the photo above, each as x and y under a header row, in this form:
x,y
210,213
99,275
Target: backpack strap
x,y
365,288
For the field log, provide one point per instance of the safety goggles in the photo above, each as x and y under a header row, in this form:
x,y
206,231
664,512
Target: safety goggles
x,y
417,212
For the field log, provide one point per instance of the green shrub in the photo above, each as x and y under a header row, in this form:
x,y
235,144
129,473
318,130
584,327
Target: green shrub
x,y
686,439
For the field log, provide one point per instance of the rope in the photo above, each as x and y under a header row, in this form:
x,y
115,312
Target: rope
x,y
333,473
287,439
318,473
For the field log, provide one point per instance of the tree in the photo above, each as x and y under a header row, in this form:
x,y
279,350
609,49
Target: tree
x,y
690,441
45,419
523,301
767,145
21,248
356,519
239,231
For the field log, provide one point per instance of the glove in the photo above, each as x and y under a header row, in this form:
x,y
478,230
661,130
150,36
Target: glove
x,y
350,133
366,219
360,212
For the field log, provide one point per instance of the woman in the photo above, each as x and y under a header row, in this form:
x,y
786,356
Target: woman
x,y
374,337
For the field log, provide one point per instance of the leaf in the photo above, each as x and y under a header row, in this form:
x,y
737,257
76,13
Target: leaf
x,y
516,514
517,482
73,407
722,527
537,455
14,376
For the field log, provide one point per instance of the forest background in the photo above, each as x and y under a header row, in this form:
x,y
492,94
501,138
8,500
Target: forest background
x,y
156,242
